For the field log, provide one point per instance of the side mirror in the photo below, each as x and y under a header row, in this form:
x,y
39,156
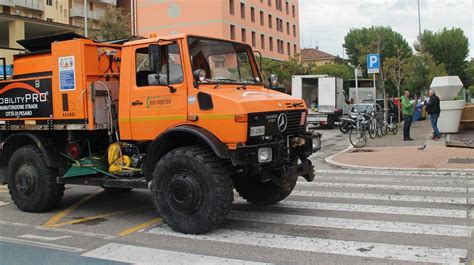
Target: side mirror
x,y
199,76
273,79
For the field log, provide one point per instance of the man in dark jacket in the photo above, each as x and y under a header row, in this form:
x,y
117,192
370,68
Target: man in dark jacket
x,y
432,106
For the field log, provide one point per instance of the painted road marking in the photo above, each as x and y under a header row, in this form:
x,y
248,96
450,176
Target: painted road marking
x,y
72,232
351,179
384,187
95,217
143,255
41,244
395,173
4,203
43,238
365,208
380,197
59,216
327,246
354,224
139,227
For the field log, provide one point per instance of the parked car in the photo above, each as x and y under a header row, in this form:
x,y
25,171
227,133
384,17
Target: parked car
x,y
392,107
367,108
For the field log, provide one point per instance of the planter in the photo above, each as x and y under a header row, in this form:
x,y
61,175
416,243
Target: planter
x,y
450,115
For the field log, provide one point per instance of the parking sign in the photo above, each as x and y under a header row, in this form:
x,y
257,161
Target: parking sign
x,y
373,63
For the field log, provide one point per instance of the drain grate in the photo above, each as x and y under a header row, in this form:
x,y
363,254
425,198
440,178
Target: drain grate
x,y
461,160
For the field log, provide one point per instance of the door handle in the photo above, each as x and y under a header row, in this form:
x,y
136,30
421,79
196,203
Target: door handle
x,y
137,102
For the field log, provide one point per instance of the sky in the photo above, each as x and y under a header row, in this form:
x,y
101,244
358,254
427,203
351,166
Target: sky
x,y
324,23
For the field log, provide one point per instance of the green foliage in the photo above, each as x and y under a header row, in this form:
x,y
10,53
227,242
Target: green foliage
x,y
284,70
113,24
447,46
343,71
360,42
421,70
469,74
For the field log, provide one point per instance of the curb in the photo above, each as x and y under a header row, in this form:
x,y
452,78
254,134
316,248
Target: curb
x,y
330,160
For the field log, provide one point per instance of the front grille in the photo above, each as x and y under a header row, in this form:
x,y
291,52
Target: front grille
x,y
269,120
294,120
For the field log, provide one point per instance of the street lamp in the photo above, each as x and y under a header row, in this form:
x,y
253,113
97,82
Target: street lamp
x,y
357,73
85,18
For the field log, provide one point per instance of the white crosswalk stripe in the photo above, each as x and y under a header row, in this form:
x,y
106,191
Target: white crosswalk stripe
x,y
320,245
364,225
386,187
380,197
4,203
144,255
352,220
364,208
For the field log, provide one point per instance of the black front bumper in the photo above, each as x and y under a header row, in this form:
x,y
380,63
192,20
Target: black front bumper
x,y
284,157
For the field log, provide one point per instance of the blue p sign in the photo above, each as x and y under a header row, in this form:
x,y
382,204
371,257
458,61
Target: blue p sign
x,y
373,63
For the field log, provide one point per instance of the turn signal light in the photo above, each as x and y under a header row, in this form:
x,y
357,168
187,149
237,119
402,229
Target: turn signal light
x,y
241,118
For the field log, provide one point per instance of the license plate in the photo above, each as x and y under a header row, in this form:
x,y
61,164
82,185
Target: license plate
x,y
317,118
257,130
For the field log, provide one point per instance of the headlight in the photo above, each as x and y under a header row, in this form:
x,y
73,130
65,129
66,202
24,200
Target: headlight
x,y
316,142
265,154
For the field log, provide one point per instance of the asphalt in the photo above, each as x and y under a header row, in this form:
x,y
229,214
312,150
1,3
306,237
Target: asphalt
x,y
346,216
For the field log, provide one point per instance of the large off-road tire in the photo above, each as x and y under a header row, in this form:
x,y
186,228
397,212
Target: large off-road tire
x,y
267,193
32,184
192,189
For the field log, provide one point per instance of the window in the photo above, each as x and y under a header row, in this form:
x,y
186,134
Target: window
x,y
49,2
254,41
242,10
287,8
270,43
222,61
49,19
270,21
294,30
293,10
244,35
252,14
169,67
278,24
91,6
269,2
231,7
295,49
262,41
262,19
232,32
288,48
288,28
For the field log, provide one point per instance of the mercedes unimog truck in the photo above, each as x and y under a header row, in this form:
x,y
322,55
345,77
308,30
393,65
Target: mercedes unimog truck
x,y
185,116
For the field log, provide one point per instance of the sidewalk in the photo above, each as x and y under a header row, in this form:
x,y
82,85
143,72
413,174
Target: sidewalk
x,y
391,152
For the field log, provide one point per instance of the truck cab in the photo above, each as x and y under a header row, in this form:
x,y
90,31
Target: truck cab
x,y
186,116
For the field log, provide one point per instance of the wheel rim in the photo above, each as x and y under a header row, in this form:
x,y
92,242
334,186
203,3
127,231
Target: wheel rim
x,y
26,179
184,192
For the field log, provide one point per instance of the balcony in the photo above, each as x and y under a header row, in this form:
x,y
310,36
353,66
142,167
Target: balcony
x,y
79,12
7,2
29,4
109,2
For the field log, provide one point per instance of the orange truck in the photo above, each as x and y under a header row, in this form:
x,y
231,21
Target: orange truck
x,y
185,116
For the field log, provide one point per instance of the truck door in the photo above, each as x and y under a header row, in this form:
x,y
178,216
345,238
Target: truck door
x,y
158,96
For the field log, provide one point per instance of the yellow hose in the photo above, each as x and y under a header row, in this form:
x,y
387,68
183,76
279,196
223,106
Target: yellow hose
x,y
117,161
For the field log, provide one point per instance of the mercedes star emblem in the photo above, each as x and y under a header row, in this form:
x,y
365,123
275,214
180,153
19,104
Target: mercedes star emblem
x,y
282,122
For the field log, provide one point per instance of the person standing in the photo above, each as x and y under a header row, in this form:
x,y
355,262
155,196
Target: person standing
x,y
432,106
407,110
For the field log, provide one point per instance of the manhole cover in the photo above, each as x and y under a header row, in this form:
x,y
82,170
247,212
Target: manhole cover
x,y
461,160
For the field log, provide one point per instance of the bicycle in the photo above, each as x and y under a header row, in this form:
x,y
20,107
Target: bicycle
x,y
358,131
390,126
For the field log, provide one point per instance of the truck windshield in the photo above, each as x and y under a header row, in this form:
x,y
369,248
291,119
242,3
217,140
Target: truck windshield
x,y
223,62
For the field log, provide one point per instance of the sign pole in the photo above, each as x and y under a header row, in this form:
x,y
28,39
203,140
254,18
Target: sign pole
x,y
375,88
357,86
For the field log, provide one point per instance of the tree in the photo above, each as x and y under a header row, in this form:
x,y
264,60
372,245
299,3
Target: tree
x,y
113,24
383,40
447,46
421,69
343,71
284,70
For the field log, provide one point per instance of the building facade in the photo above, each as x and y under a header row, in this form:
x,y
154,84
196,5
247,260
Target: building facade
x,y
269,26
23,19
